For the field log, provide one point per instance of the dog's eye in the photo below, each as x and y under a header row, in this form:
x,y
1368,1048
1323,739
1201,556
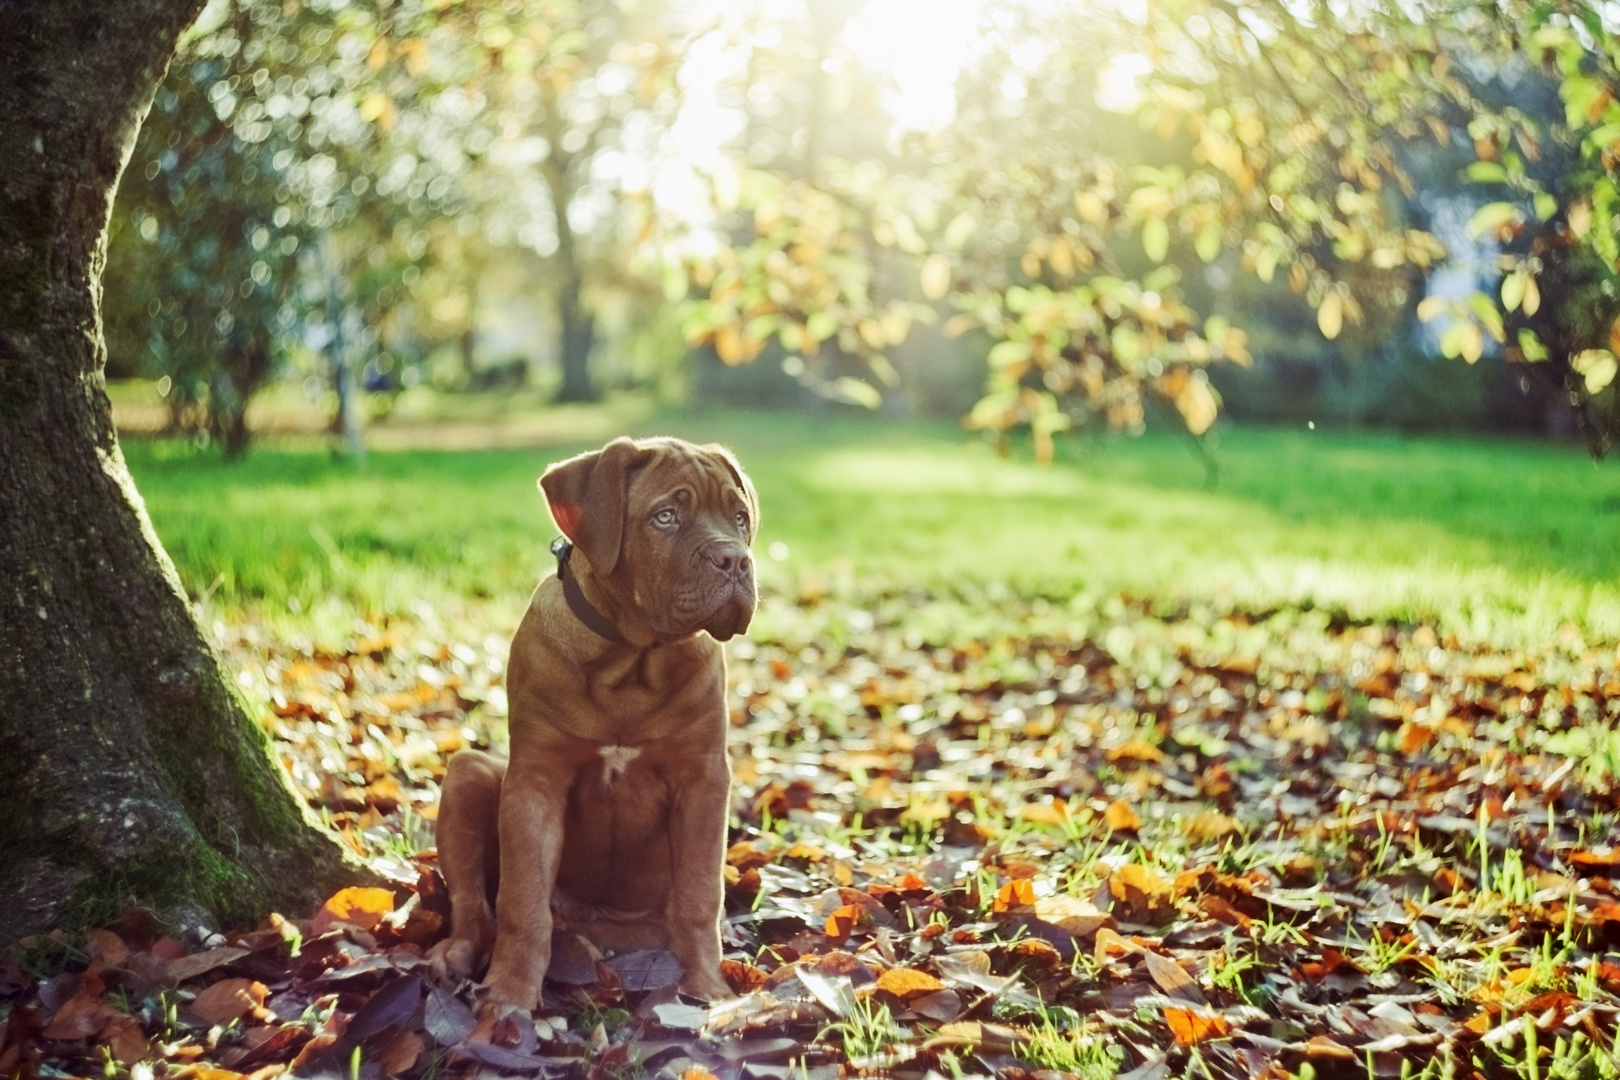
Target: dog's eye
x,y
665,516
742,519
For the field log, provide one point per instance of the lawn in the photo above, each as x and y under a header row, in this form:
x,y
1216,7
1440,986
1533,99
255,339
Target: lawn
x,y
1039,773
1495,539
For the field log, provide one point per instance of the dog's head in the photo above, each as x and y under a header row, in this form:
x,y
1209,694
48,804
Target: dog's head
x,y
665,527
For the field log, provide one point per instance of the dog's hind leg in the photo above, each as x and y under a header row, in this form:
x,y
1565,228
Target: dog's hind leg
x,y
469,857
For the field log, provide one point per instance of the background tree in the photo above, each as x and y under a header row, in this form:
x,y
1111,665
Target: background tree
x,y
132,774
1273,138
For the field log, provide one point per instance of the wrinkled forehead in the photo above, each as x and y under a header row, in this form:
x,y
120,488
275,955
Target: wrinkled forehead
x,y
674,466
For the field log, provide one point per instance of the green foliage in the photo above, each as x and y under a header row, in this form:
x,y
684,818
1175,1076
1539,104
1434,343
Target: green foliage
x,y
1284,142
344,178
1077,218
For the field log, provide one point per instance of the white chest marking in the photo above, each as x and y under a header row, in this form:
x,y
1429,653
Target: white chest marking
x,y
615,759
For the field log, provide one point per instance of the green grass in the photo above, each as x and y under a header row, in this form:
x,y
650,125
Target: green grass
x,y
1498,539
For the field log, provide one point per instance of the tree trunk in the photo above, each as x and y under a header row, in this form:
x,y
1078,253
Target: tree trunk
x,y
578,324
578,338
130,772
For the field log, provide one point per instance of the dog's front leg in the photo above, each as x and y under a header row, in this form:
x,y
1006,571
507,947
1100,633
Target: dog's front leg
x,y
532,811
697,837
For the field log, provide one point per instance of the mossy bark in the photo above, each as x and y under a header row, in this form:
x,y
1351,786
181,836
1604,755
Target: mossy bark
x,y
129,772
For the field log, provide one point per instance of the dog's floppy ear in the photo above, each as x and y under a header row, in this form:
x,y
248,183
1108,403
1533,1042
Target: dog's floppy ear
x,y
586,495
743,482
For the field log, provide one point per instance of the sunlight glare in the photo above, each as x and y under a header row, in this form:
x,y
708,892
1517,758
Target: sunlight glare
x,y
924,45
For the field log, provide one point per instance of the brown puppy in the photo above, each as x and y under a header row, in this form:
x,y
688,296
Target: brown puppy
x,y
612,811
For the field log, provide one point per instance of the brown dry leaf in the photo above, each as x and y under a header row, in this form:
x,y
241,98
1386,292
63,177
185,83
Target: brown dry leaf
x,y
400,1053
742,978
79,1018
1172,978
1221,910
106,949
1119,817
184,968
1193,1026
126,1041
906,983
941,1005
1076,917
228,1000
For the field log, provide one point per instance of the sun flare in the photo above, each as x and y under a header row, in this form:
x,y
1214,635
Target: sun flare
x,y
923,45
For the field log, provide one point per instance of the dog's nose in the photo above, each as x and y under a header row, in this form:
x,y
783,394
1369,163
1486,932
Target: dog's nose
x,y
729,558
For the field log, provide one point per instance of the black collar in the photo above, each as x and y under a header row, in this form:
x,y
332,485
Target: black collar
x,y
562,547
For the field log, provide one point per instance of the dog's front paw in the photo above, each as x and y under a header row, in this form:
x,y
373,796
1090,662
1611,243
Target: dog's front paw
x,y
503,997
453,960
707,985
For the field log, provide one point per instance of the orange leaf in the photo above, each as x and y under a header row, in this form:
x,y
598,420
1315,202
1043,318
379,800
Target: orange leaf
x,y
1017,893
1119,817
229,999
1052,813
1594,860
1193,1026
697,1073
1136,751
907,983
842,922
1110,943
356,906
1320,1046
1209,825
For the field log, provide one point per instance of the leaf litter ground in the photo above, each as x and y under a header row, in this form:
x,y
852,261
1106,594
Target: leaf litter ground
x,y
1027,844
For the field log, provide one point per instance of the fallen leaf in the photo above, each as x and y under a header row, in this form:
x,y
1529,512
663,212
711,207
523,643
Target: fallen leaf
x,y
1193,1026
941,1005
392,1006
1172,978
79,1018
1079,918
186,968
1119,817
646,969
842,922
1020,892
400,1052
227,1000
1320,1046
906,983
357,906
